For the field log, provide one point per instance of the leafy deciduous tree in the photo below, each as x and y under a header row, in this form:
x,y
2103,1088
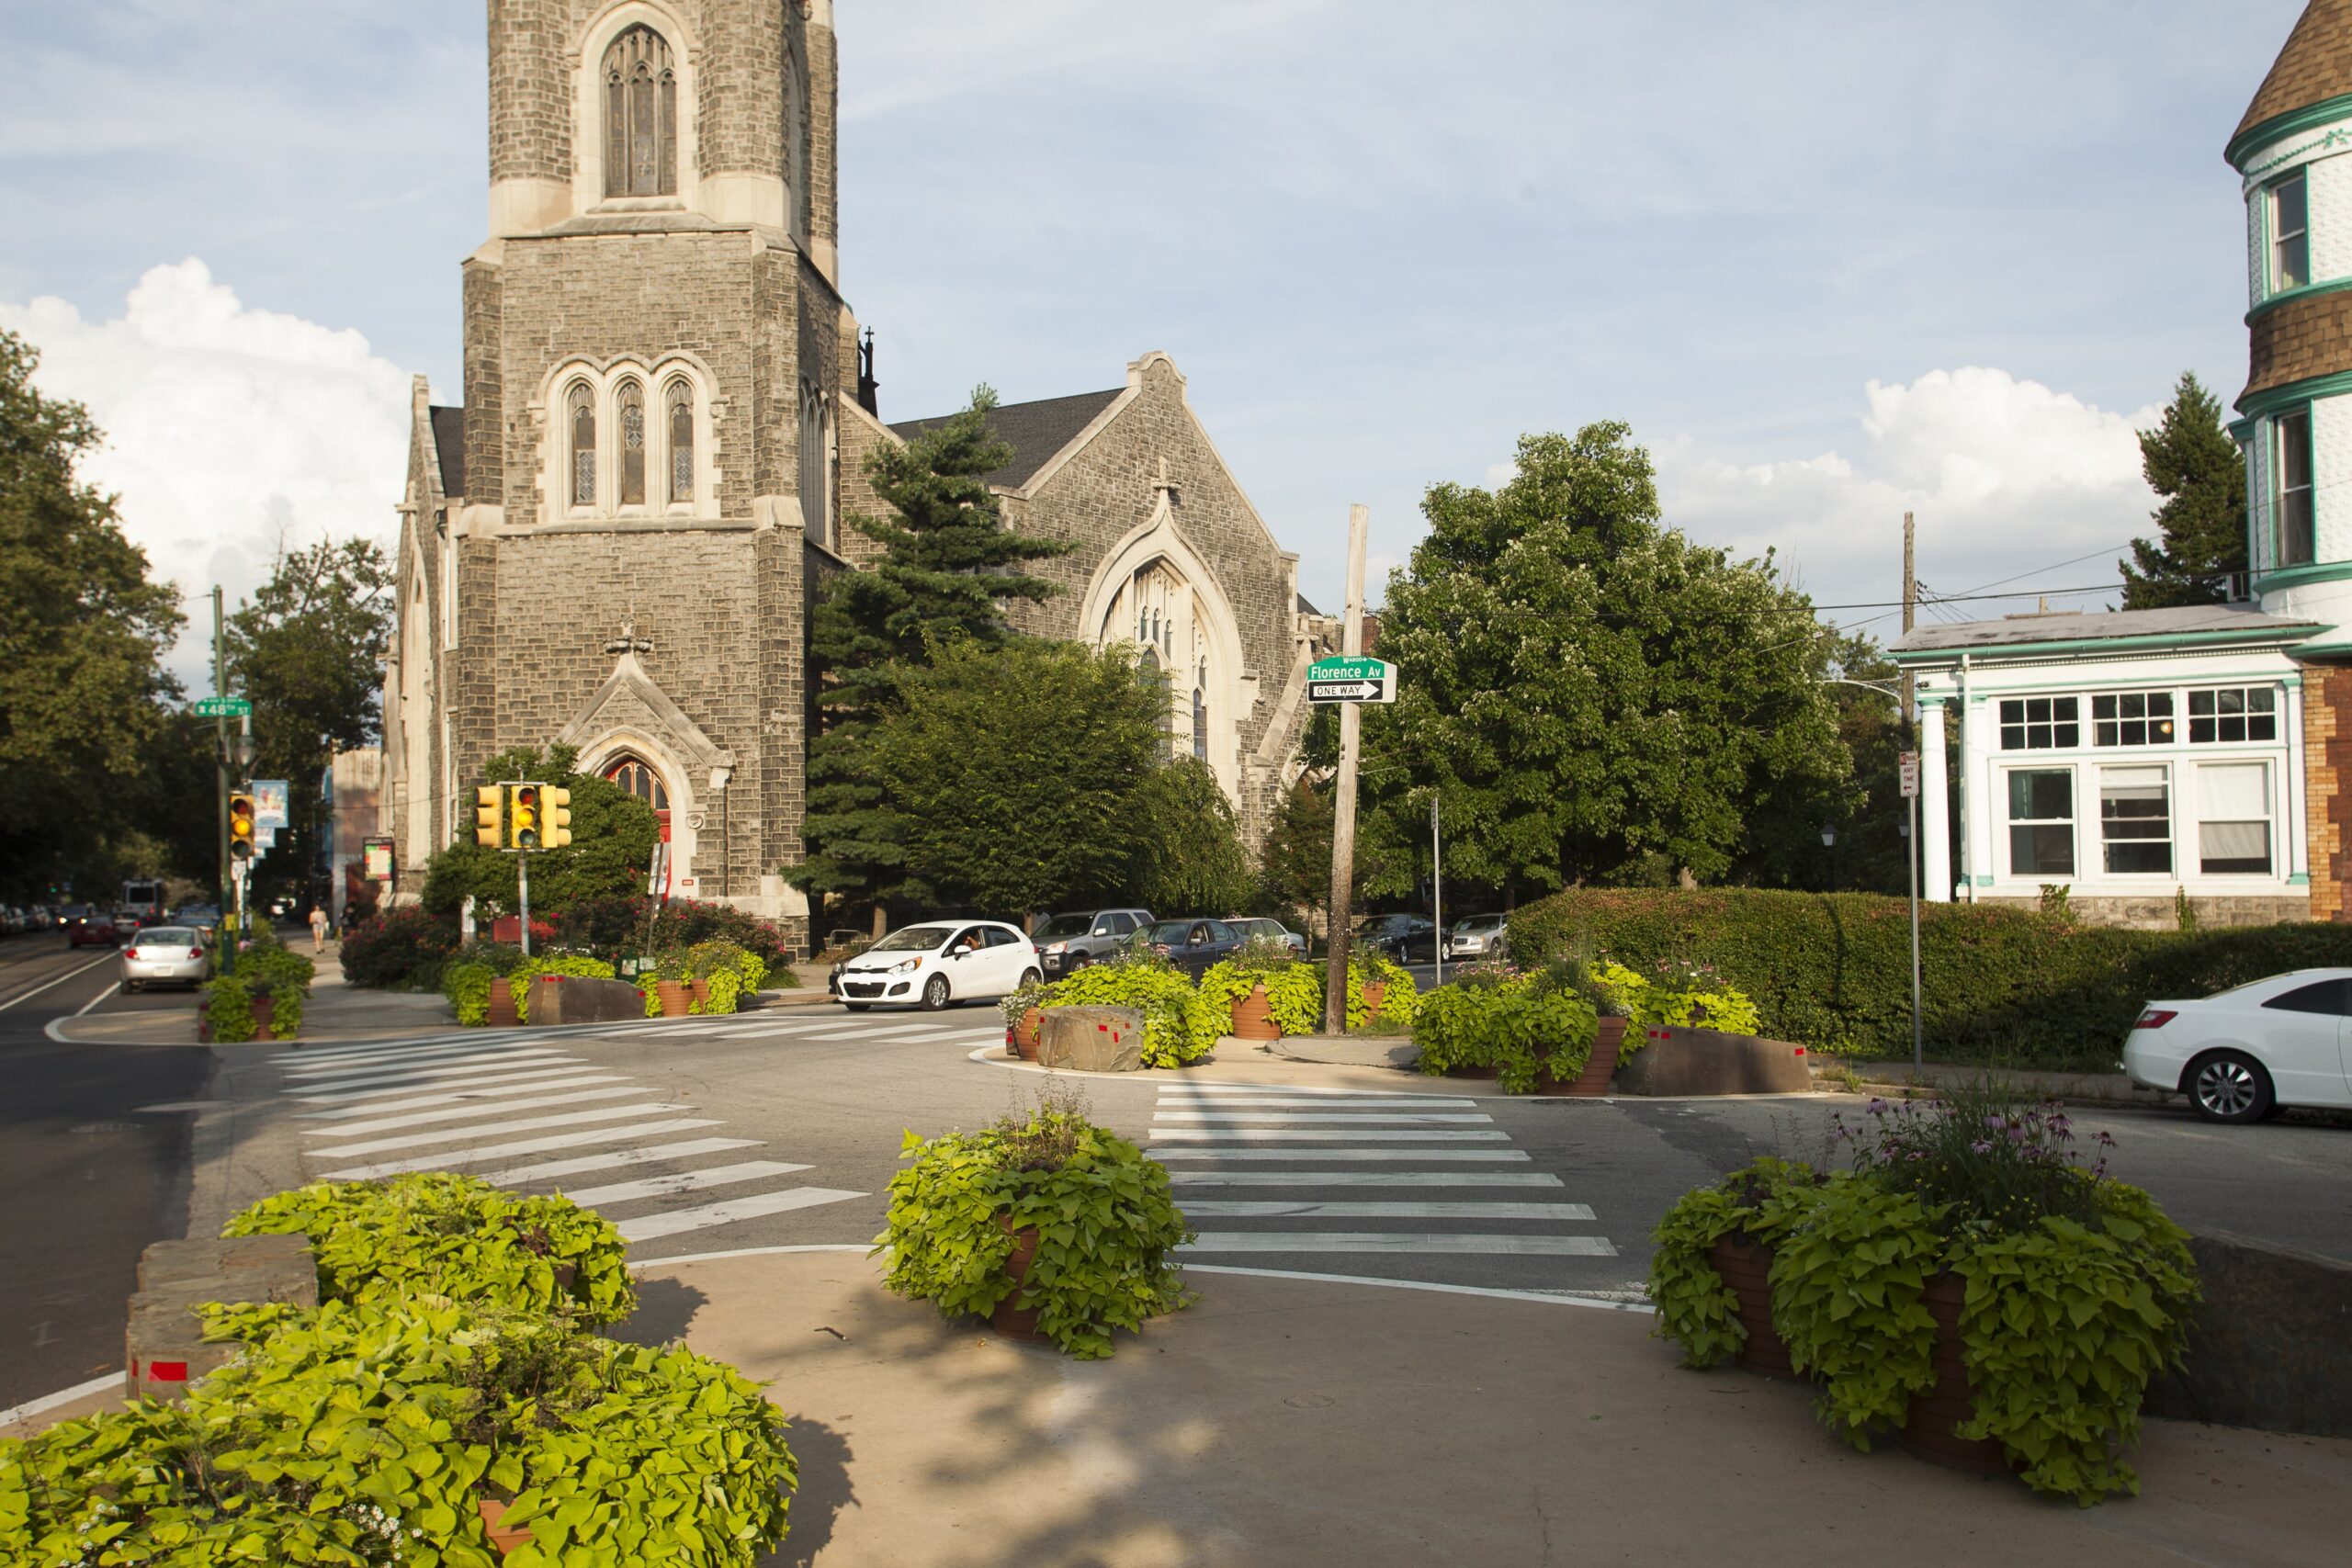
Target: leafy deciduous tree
x,y
1189,859
613,838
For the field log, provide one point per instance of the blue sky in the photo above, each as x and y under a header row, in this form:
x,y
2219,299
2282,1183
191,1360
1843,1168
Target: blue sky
x,y
1829,260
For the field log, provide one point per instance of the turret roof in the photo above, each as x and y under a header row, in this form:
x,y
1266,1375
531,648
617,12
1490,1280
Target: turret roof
x,y
2316,64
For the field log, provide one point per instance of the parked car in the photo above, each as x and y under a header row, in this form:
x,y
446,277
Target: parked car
x,y
71,915
13,921
1407,939
1071,941
96,928
1480,936
170,954
205,918
1191,945
2248,1053
1258,928
934,964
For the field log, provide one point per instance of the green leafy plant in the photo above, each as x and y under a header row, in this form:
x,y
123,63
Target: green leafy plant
x,y
1106,1226
574,964
467,985
1293,987
229,1009
720,991
1847,1278
1695,1308
366,1433
1180,1025
401,949
455,1236
1400,999
1681,994
1507,1021
1014,1005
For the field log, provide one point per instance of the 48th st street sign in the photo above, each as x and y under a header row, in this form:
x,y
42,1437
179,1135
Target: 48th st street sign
x,y
1342,680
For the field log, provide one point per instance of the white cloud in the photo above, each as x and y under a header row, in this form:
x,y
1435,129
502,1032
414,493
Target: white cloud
x,y
2005,477
228,428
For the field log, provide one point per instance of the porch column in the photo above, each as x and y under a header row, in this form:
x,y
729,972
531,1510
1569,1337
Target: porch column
x,y
1935,808
2294,831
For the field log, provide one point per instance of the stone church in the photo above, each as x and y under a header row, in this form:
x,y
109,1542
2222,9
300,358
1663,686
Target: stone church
x,y
614,542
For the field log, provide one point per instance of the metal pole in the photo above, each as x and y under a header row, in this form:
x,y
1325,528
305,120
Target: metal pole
x,y
1437,893
522,875
1912,856
1343,803
221,767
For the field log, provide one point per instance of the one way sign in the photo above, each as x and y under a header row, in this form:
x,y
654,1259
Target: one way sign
x,y
1343,679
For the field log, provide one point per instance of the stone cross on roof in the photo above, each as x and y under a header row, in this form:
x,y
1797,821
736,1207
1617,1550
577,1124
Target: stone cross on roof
x,y
628,641
1163,485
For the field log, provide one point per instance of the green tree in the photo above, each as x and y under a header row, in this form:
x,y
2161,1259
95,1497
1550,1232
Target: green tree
x,y
1784,847
82,633
2189,460
307,651
1014,774
613,835
1295,864
947,569
1188,856
1591,696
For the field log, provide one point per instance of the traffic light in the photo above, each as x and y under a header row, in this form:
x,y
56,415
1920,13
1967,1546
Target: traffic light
x,y
555,821
526,817
490,806
241,826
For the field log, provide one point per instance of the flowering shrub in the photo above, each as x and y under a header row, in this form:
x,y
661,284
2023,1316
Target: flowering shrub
x,y
1695,1308
401,948
574,964
1516,1024
1681,994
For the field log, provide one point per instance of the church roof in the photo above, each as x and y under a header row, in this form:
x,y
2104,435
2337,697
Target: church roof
x,y
2179,623
2315,65
1035,431
449,448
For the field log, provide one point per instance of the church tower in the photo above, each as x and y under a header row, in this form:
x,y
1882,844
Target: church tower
x,y
612,544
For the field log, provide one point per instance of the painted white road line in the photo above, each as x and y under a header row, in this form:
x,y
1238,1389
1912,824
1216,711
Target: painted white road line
x,y
495,1129
1164,1152
1402,1241
397,1049
863,1031
1257,1102
395,1077
1301,1118
472,1113
647,1227
46,984
685,1182
1227,1091
1237,1209
616,1159
528,1073
344,1108
1363,1178
96,999
452,1159
1312,1134
378,1061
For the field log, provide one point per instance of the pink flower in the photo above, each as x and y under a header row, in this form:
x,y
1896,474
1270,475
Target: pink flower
x,y
1981,1146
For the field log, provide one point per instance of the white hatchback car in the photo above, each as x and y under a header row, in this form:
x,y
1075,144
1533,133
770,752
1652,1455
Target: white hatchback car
x,y
937,962
2249,1051
170,954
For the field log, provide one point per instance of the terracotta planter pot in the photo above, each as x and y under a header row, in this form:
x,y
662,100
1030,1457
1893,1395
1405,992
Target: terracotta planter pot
x,y
701,989
262,1008
676,997
506,1539
1927,1425
1253,1017
1017,1323
1027,1033
1747,1267
1374,995
503,1013
1599,1067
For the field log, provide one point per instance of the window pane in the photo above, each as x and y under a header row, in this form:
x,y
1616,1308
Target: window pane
x,y
2294,262
2295,451
2135,820
2102,707
2037,710
2041,850
2322,995
2012,737
2066,735
2287,206
682,445
2042,794
633,445
2201,703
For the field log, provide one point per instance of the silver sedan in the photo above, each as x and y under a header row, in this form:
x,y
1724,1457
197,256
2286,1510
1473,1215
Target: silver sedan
x,y
170,954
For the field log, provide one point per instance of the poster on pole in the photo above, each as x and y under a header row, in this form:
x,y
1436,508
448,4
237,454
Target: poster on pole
x,y
378,855
269,803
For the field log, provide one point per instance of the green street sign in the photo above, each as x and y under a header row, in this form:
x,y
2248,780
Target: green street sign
x,y
1340,667
222,707
1344,680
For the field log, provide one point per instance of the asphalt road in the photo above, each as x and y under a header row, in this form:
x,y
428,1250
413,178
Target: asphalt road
x,y
87,1181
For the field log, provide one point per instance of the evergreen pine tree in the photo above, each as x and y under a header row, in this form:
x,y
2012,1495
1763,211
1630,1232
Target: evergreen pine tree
x,y
947,567
2191,461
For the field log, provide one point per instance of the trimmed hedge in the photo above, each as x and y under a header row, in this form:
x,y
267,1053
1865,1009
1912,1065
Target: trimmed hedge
x,y
1999,984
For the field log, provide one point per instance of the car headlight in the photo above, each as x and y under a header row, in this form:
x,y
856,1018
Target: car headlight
x,y
906,966
1057,947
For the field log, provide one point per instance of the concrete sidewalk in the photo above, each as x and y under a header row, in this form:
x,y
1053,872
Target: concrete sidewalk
x,y
1292,1421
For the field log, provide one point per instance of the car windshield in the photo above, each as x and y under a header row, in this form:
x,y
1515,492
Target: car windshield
x,y
1481,923
1065,925
1170,933
167,936
913,939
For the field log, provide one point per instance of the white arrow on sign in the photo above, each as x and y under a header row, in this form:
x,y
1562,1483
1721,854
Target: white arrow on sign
x,y
1345,690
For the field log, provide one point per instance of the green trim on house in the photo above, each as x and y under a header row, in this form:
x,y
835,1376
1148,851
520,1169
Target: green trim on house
x,y
1982,880
2332,286
2302,576
2310,117
2098,644
2299,879
2287,394
2291,681
2241,431
2336,647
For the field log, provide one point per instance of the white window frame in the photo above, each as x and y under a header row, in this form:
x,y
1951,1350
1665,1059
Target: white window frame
x,y
2147,719
2073,821
2073,719
2280,236
2245,715
2270,818
2171,839
2298,421
605,383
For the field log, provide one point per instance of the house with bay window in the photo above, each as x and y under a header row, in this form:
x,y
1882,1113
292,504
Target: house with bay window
x,y
2134,756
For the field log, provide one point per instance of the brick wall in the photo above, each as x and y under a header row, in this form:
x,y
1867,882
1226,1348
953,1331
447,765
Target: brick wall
x,y
2328,751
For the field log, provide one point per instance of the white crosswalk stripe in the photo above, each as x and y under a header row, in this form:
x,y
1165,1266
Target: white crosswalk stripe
x,y
471,1094
461,1112
647,1227
527,1125
1331,1168
452,1159
615,1160
685,1182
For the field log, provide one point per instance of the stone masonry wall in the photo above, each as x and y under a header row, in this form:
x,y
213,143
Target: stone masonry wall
x,y
530,88
739,121
2327,761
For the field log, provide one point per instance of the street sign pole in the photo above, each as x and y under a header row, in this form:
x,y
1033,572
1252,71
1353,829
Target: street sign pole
x,y
1343,805
221,768
523,875
1437,893
1910,765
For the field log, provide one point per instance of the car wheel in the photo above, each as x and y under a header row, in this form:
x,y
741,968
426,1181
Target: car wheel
x,y
1030,977
2230,1087
934,993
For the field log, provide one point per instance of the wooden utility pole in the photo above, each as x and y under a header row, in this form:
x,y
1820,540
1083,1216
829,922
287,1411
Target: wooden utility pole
x,y
1343,803
1910,610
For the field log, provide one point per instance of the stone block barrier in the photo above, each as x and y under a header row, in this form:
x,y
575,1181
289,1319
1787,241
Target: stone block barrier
x,y
2270,1346
163,1348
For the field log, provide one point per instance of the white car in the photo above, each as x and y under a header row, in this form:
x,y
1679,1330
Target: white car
x,y
2249,1051
1258,927
1480,936
166,955
937,962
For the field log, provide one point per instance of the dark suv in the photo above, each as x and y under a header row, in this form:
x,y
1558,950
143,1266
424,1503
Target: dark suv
x,y
1408,939
1191,945
1071,941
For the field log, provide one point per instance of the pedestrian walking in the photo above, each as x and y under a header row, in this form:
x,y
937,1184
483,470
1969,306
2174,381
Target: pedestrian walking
x,y
318,928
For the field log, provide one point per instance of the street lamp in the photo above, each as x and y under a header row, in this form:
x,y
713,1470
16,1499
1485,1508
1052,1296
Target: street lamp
x,y
1829,842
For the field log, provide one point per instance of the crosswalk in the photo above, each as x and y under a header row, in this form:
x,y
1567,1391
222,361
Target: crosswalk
x,y
522,1109
1234,1154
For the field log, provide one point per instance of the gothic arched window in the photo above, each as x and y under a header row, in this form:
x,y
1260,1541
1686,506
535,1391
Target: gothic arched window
x,y
1201,723
680,400
639,780
582,403
641,116
816,469
631,404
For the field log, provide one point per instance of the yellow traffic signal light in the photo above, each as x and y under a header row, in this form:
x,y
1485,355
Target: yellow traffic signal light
x,y
241,826
490,803
555,820
526,817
